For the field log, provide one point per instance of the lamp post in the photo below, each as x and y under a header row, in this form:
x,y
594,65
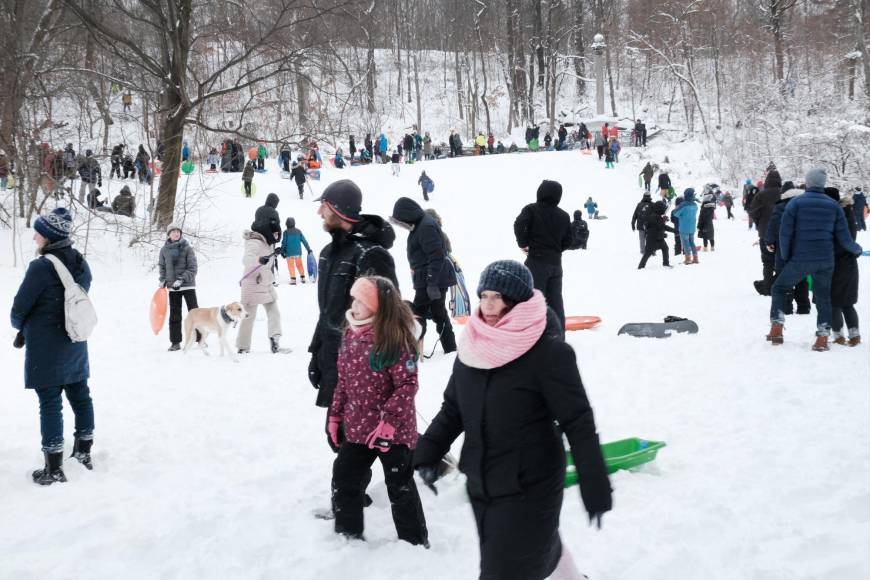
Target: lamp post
x,y
598,49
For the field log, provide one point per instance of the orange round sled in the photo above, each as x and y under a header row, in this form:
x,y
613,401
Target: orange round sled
x,y
581,322
460,319
159,305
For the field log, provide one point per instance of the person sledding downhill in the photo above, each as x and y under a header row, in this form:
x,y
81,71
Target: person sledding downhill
x,y
291,249
373,415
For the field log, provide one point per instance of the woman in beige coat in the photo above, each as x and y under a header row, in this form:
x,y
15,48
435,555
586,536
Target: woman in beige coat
x,y
257,287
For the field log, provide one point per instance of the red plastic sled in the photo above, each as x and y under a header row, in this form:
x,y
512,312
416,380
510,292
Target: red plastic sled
x,y
581,322
159,306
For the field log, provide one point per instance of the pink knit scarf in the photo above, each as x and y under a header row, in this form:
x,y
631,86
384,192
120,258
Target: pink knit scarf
x,y
488,347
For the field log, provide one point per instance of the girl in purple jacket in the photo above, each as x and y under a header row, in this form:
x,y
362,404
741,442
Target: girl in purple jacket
x,y
373,415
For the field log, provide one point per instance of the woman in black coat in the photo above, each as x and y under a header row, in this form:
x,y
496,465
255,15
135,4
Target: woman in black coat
x,y
53,364
705,221
844,284
514,377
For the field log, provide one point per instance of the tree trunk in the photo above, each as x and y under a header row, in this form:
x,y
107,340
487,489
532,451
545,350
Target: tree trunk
x,y
579,59
539,41
173,134
417,93
610,79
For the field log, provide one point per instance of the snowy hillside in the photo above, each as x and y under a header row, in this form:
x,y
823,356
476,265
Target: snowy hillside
x,y
210,469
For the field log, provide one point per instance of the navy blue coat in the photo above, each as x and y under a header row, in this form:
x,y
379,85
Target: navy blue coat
x,y
810,223
50,358
427,252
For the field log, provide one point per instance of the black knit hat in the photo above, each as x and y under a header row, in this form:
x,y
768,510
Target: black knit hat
x,y
344,198
509,278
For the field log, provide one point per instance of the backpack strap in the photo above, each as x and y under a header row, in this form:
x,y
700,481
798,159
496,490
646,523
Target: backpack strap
x,y
62,272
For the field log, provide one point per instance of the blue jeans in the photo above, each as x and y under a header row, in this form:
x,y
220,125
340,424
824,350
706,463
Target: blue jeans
x,y
51,414
792,273
687,241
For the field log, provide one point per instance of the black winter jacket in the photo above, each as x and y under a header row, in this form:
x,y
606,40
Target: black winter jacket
x,y
545,229
363,250
844,284
427,252
664,181
579,231
298,174
655,226
705,220
641,211
512,446
764,201
268,214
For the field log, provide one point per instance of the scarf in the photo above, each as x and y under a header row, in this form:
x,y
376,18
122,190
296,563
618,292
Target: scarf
x,y
357,326
487,347
51,246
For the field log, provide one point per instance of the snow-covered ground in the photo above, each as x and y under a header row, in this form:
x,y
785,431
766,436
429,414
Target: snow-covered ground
x,y
206,468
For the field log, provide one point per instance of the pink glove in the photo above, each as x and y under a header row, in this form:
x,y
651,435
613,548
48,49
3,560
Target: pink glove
x,y
382,437
332,426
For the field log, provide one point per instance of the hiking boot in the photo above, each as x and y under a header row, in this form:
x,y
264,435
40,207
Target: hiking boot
x,y
52,472
855,340
276,346
82,452
175,346
821,344
839,339
775,334
293,281
302,279
695,259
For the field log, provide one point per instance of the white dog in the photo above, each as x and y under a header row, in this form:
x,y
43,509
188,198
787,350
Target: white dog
x,y
216,319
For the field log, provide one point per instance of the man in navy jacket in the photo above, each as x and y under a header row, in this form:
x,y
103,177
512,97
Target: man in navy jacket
x,y
810,224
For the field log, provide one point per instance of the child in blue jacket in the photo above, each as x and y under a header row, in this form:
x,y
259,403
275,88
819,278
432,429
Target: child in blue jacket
x,y
687,214
291,248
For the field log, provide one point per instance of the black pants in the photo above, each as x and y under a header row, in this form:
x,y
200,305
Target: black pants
x,y
301,187
435,310
768,259
261,163
653,246
247,188
348,473
708,238
730,215
425,193
600,151
851,316
548,279
175,312
116,169
646,185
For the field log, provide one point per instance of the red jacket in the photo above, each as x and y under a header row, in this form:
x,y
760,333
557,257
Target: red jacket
x,y
363,397
614,132
604,129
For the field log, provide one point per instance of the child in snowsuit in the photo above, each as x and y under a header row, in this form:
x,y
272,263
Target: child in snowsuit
x,y
297,172
213,159
427,184
248,177
262,153
687,213
580,231
608,157
373,414
591,208
655,235
705,221
396,160
291,249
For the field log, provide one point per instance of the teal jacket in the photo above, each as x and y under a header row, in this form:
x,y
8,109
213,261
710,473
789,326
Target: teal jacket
x,y
293,240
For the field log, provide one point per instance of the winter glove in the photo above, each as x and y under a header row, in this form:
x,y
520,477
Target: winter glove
x,y
382,437
433,292
632,228
314,372
429,474
176,284
334,431
264,260
19,340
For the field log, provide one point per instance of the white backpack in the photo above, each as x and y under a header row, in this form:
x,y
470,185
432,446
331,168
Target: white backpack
x,y
79,313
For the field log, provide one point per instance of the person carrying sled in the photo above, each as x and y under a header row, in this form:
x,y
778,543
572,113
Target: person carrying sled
x,y
291,249
373,414
543,232
579,231
426,183
248,177
664,185
654,230
177,266
638,218
687,214
431,270
53,364
514,378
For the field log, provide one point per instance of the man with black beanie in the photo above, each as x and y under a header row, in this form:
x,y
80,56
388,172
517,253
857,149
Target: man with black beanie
x,y
543,232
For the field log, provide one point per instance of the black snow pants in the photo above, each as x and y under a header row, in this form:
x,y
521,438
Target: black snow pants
x,y
175,312
652,246
435,310
548,279
348,474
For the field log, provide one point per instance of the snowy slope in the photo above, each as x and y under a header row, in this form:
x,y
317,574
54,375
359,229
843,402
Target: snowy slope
x,y
205,468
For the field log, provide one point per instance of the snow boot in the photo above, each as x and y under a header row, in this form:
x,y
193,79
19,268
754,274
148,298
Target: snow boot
x,y
821,344
302,279
695,259
276,347
448,343
82,452
293,281
52,472
705,249
775,335
839,339
855,340
244,351
175,346
762,288
687,259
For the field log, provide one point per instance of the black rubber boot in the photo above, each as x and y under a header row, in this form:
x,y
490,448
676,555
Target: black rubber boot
x,y
276,346
52,471
82,452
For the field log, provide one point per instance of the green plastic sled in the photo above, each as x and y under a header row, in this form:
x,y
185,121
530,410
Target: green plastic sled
x,y
622,454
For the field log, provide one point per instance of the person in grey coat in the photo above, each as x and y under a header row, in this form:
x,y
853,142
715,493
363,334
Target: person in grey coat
x,y
178,268
53,364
